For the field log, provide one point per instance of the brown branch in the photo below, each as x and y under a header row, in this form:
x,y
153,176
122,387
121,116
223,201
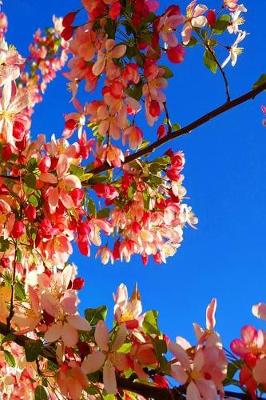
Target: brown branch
x,y
146,390
186,129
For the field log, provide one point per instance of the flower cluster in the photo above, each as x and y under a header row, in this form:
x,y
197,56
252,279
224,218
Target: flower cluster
x,y
61,191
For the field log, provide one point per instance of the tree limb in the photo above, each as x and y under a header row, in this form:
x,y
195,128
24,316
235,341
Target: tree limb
x,y
143,389
186,129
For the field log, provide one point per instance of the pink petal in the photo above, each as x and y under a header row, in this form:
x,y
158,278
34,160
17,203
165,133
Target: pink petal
x,y
207,389
109,378
93,362
179,374
48,178
102,336
200,9
98,67
186,33
118,51
248,334
69,335
259,310
199,22
193,392
179,353
79,323
259,371
53,333
210,314
62,166
120,337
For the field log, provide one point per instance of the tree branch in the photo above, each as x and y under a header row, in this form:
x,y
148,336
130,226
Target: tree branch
x,y
144,389
186,129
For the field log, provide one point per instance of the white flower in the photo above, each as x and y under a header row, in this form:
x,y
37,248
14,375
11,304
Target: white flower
x,y
236,19
234,50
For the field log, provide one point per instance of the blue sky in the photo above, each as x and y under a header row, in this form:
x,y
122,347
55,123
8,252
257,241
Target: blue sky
x,y
224,176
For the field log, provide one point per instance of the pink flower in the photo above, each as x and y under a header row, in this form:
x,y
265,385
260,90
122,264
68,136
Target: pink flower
x,y
109,51
11,107
72,381
112,154
133,135
194,19
107,356
251,342
167,25
127,310
64,182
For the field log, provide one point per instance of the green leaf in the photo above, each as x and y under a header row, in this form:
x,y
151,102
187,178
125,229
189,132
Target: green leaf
x,y
91,207
110,28
176,127
75,170
4,244
85,177
9,359
146,200
135,91
222,24
93,315
33,200
30,181
209,61
260,81
32,349
32,164
103,213
131,190
125,348
40,393
20,291
168,73
193,41
150,323
18,255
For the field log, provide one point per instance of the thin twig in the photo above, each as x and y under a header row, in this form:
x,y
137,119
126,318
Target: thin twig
x,y
13,284
185,130
226,83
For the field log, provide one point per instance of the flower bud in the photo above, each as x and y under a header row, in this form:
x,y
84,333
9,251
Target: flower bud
x,y
18,229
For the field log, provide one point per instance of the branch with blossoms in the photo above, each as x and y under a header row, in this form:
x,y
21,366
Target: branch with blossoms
x,y
94,192
132,356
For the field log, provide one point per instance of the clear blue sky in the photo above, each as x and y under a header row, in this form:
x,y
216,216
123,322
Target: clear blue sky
x,y
225,178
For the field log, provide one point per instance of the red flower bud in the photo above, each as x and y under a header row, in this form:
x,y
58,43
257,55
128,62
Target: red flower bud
x,y
18,130
78,283
4,189
154,108
69,19
67,33
21,145
6,152
18,229
77,196
70,124
161,131
115,10
30,212
211,18
5,262
45,164
176,54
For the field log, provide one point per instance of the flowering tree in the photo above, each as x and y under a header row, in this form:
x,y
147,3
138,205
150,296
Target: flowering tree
x,y
98,184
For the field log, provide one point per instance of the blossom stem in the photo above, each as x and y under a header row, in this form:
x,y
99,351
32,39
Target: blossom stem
x,y
13,283
226,83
